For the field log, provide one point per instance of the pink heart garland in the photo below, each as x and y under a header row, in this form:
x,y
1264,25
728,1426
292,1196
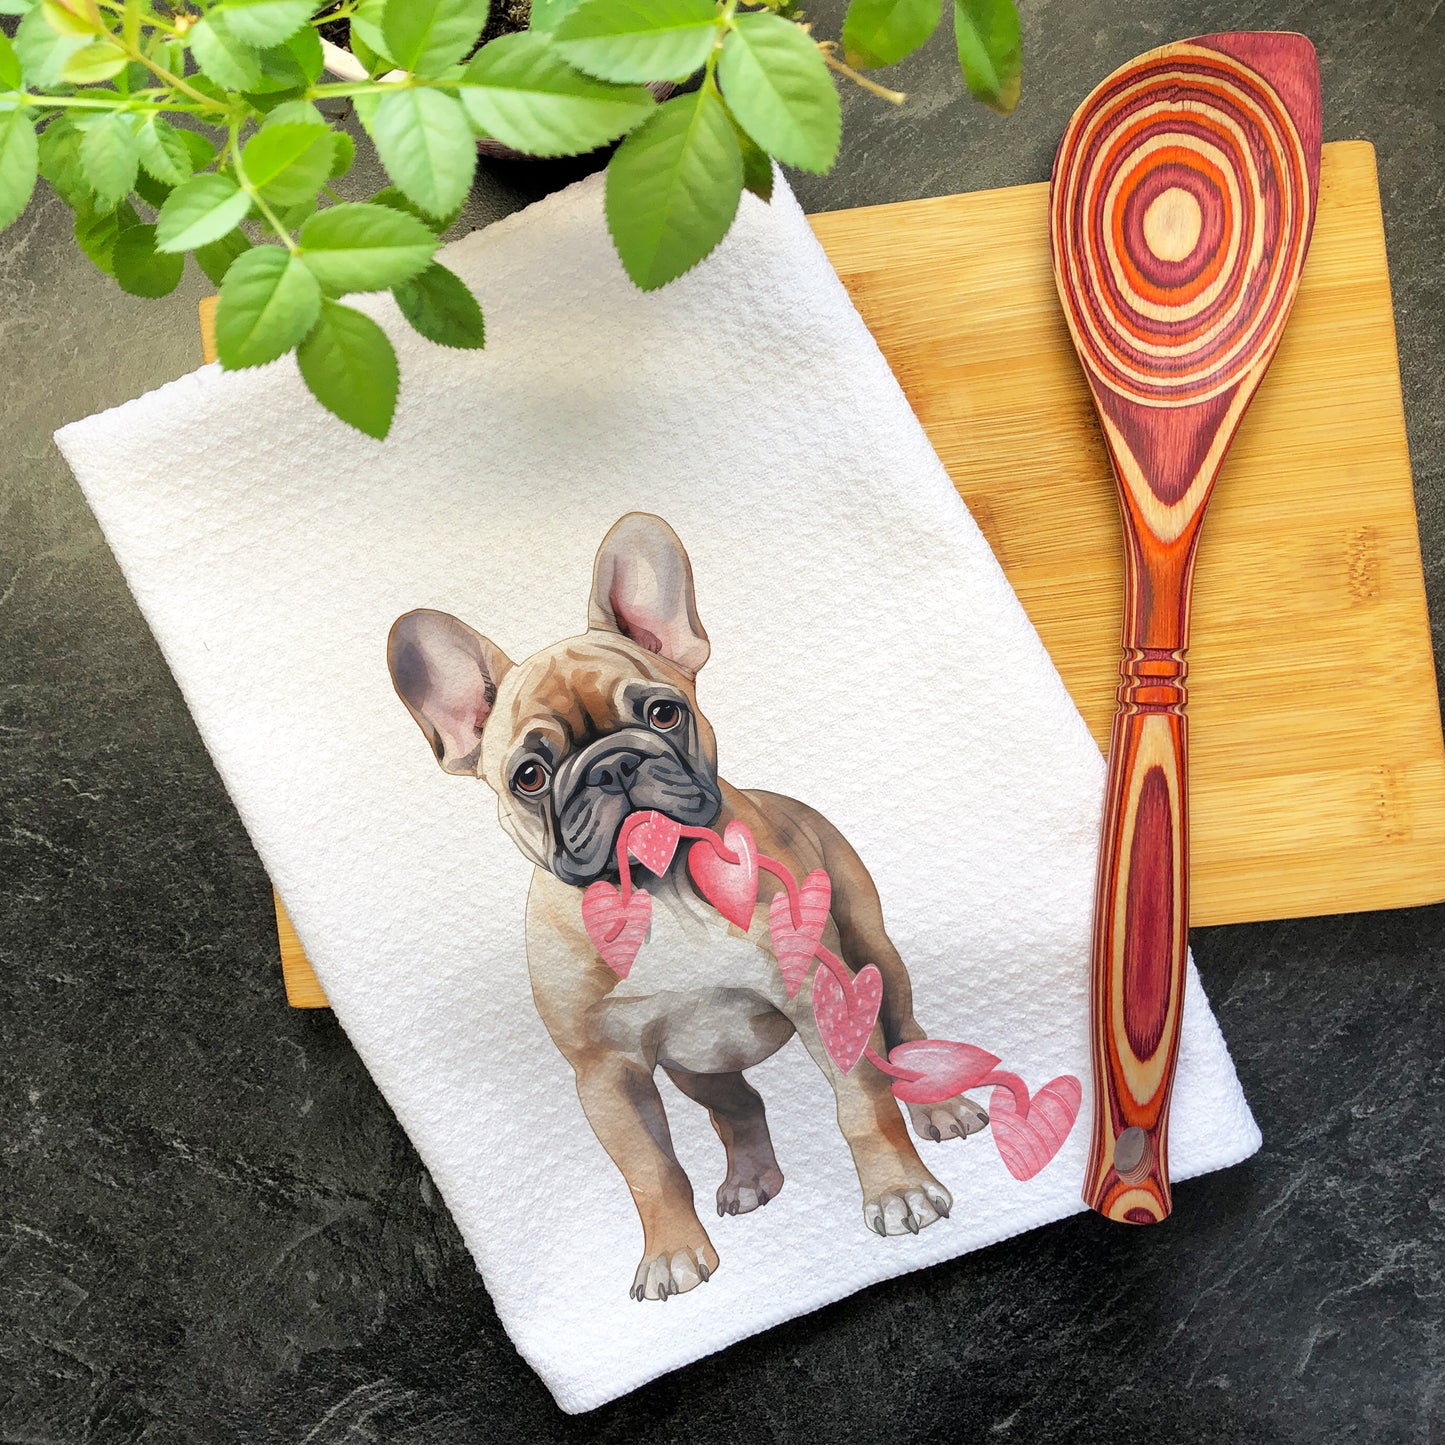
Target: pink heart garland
x,y
793,946
846,1013
617,929
653,841
941,1069
1029,1132
731,888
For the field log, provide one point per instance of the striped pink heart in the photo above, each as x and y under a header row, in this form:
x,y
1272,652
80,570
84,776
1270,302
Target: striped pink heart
x,y
795,944
1029,1132
617,929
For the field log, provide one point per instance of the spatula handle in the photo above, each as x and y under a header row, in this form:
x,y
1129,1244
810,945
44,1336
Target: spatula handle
x,y
1141,928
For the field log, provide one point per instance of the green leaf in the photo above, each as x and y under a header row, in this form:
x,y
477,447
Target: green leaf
x,y
547,15
440,306
269,301
201,151
202,210
425,36
289,164
292,65
140,268
519,90
673,188
375,64
757,166
97,61
222,55
779,89
162,151
265,22
426,145
638,39
150,190
60,164
350,367
215,259
15,7
19,163
990,51
366,25
344,155
358,247
394,198
110,157
295,112
11,77
882,32
65,21
41,52
96,232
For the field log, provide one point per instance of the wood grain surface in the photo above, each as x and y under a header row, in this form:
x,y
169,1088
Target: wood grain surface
x,y
1181,207
1317,771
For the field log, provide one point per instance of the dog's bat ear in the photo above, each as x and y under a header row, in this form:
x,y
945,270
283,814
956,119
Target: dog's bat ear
x,y
642,588
447,675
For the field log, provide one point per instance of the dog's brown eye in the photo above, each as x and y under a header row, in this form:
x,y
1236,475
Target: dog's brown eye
x,y
530,778
664,715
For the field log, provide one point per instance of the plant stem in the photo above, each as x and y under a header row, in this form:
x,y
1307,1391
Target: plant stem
x,y
893,97
271,218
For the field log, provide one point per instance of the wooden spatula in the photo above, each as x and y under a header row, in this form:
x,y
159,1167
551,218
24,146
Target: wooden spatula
x,y
1181,206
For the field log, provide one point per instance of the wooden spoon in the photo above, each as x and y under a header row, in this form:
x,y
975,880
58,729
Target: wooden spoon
x,y
1181,206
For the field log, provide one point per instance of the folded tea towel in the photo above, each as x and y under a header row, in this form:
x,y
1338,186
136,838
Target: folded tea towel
x,y
867,657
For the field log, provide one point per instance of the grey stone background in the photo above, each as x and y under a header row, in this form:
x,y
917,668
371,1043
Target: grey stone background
x,y
213,1229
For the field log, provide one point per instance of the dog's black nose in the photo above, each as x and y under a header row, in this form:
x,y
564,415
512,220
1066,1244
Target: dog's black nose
x,y
615,772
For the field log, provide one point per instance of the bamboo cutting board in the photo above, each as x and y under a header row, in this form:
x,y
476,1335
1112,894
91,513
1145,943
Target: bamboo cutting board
x,y
1317,769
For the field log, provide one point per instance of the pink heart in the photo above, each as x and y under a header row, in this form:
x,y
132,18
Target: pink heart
x,y
653,841
1028,1132
617,929
793,947
846,1013
731,888
941,1069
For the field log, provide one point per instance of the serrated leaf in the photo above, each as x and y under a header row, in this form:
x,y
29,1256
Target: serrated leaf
x,y
547,15
426,145
201,151
262,23
292,65
60,164
360,247
780,92
19,163
99,60
110,157
215,259
96,232
288,164
367,25
344,154
140,268
66,21
398,201
41,52
200,211
673,188
150,190
990,51
295,112
440,306
162,151
11,77
425,36
350,367
269,301
637,40
519,90
757,166
882,32
222,55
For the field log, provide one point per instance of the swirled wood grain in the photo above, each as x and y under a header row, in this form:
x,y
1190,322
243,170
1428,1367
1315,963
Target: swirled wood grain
x,y
1181,207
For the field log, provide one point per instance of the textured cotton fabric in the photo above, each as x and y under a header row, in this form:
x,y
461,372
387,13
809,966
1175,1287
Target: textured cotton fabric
x,y
868,657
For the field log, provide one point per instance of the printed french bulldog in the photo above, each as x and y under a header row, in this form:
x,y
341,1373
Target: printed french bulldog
x,y
601,761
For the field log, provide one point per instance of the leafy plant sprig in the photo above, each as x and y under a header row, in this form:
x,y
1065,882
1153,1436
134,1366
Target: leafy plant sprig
x,y
176,127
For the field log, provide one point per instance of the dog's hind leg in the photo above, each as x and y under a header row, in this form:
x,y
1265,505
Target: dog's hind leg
x,y
737,1113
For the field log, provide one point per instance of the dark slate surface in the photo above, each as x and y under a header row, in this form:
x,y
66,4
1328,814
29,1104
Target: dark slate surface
x,y
215,1231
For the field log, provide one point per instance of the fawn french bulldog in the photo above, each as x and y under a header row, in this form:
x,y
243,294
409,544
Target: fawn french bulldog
x,y
573,741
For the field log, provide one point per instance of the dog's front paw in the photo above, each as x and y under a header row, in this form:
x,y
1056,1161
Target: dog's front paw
x,y
662,1275
907,1208
742,1193
954,1118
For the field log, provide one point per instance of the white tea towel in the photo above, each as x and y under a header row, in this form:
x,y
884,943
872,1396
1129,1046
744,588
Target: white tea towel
x,y
867,657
